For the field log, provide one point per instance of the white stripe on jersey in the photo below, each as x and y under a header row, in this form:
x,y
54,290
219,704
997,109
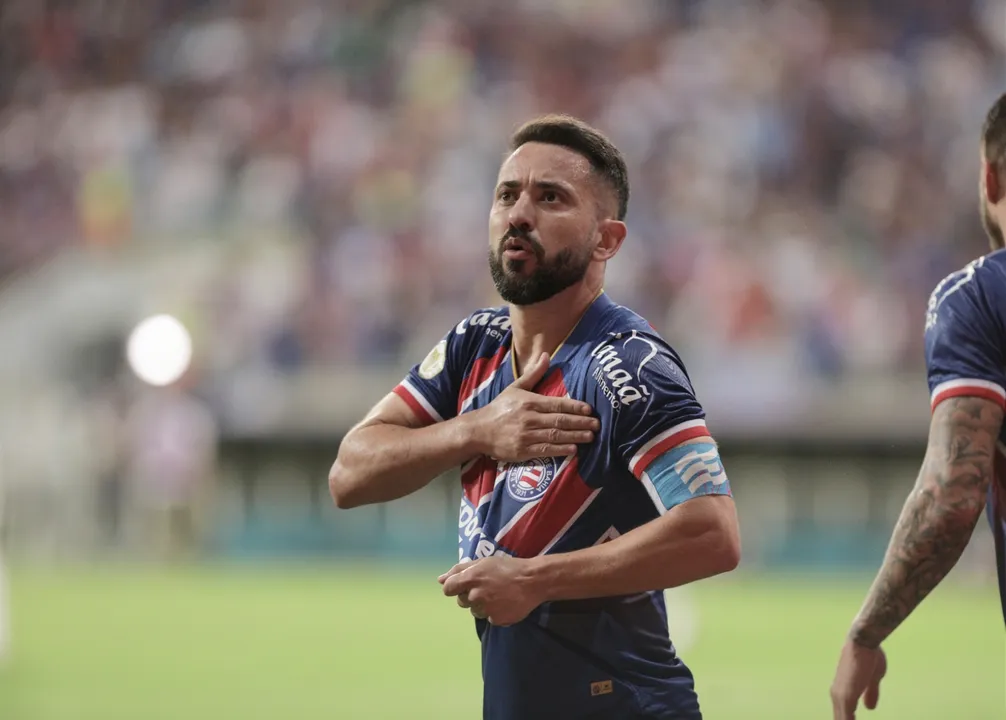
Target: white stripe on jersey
x,y
516,518
688,425
609,534
418,397
568,525
482,386
487,497
955,384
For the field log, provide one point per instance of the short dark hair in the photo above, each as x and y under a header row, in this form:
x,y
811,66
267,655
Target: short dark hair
x,y
994,133
576,135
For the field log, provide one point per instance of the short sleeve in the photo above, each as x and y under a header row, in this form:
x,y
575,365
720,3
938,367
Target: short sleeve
x,y
963,339
431,388
657,408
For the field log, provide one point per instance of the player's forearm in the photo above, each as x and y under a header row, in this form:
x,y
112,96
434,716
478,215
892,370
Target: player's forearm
x,y
695,540
938,518
929,539
382,462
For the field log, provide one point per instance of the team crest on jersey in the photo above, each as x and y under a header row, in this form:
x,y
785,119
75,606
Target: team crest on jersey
x,y
529,480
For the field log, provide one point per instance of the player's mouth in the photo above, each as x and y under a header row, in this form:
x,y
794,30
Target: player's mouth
x,y
518,249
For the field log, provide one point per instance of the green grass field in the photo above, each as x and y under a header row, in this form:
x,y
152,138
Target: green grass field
x,y
345,642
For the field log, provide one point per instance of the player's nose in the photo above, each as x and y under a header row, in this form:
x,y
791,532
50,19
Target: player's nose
x,y
521,214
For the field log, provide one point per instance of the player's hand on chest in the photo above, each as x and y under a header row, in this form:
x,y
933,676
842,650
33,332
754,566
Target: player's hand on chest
x,y
520,425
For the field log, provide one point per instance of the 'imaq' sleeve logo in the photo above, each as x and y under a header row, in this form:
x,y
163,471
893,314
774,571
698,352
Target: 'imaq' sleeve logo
x,y
434,362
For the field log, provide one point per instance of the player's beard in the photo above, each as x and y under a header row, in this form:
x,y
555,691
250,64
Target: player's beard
x,y
995,232
549,278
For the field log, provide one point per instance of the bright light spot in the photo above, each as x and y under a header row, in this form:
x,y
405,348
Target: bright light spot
x,y
159,350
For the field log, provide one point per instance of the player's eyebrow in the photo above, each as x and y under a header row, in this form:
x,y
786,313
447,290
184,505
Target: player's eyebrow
x,y
554,185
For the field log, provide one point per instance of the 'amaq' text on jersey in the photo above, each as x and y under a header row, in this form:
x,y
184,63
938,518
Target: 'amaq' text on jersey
x,y
966,356
575,660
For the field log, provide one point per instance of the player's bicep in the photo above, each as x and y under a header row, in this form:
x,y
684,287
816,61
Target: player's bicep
x,y
689,470
960,457
392,409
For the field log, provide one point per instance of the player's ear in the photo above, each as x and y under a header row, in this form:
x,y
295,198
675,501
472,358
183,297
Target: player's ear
x,y
993,187
612,234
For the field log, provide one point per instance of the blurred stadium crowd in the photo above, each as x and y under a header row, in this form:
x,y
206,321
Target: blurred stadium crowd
x,y
803,172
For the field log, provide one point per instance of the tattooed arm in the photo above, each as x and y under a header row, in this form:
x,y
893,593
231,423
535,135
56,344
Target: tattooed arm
x,y
937,520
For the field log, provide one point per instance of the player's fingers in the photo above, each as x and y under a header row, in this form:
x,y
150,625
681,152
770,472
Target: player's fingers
x,y
533,373
840,706
872,696
477,603
554,436
454,570
546,450
463,600
459,583
567,421
563,405
849,708
836,710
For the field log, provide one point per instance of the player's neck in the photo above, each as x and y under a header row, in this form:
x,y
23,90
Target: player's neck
x,y
544,326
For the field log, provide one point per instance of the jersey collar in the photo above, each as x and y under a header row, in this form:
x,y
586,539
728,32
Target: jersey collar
x,y
583,331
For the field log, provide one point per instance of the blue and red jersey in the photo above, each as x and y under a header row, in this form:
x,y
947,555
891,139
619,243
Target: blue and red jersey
x,y
966,356
602,658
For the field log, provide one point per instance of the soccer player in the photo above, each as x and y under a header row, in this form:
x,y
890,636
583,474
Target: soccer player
x,y
589,480
963,470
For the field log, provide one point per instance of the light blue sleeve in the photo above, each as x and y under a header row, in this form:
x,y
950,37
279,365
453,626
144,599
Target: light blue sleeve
x,y
685,472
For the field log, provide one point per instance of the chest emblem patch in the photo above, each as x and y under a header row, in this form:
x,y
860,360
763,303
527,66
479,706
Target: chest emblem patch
x,y
529,480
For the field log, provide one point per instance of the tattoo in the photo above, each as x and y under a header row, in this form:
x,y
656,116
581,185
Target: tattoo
x,y
939,516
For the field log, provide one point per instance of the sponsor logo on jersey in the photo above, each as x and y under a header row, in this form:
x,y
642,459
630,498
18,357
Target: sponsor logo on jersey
x,y
529,481
947,287
471,538
620,384
495,325
433,364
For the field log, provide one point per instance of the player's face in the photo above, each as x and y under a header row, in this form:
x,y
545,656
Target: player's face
x,y
992,228
543,224
991,192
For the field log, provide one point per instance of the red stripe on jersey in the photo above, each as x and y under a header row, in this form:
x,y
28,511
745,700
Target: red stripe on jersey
x,y
668,444
552,385
421,412
482,370
969,391
478,480
529,536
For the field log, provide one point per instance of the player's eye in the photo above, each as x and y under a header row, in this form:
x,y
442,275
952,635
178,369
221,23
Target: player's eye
x,y
506,196
550,196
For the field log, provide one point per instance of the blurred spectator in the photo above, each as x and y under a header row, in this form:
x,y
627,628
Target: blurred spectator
x,y
803,171
171,459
